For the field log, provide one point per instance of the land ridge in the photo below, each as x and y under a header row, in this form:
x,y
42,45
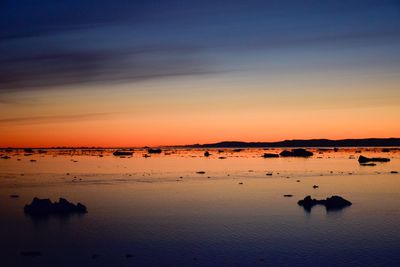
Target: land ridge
x,y
365,142
292,143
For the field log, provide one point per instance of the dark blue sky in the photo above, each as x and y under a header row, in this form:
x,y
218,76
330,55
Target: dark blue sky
x,y
46,43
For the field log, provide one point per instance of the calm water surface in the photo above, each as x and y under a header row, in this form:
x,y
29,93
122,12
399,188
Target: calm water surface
x,y
162,213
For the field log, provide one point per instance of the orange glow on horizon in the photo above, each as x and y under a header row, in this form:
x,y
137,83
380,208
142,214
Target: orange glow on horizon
x,y
171,114
198,128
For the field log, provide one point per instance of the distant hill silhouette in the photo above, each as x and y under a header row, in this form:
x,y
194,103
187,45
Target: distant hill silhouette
x,y
367,142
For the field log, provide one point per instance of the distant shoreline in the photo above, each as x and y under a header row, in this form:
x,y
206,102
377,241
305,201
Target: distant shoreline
x,y
365,142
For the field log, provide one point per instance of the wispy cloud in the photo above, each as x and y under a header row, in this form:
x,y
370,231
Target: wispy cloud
x,y
6,102
58,66
55,118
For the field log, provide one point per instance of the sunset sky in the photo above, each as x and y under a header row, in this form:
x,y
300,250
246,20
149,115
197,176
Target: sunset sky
x,y
136,73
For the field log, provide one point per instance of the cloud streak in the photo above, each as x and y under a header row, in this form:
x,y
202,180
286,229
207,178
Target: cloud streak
x,y
59,67
56,118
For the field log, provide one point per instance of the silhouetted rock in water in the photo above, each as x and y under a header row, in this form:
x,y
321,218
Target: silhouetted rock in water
x,y
330,203
154,150
201,172
270,155
368,164
146,156
299,152
14,196
222,158
237,150
43,207
386,150
315,186
288,195
207,154
240,182
394,172
363,159
123,153
269,174
5,157
28,150
33,160
336,149
31,253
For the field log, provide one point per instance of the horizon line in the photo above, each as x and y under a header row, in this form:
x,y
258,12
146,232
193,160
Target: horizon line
x,y
205,144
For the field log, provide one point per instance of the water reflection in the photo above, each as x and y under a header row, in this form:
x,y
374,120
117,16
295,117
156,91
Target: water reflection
x,y
162,212
59,218
308,209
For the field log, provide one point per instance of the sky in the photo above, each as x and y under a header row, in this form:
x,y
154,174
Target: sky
x,y
137,73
